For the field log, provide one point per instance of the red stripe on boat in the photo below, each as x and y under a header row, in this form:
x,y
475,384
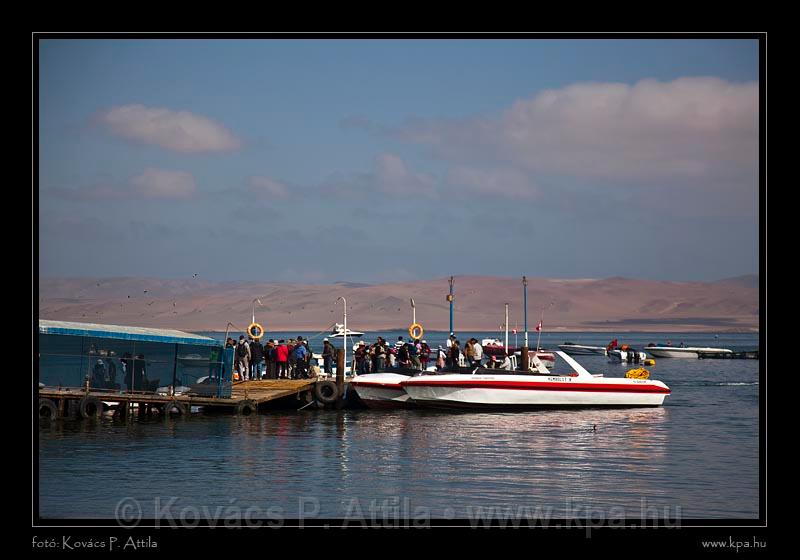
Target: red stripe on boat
x,y
538,386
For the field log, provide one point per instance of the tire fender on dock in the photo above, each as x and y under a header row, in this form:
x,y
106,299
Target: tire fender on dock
x,y
174,407
246,407
326,391
47,408
90,407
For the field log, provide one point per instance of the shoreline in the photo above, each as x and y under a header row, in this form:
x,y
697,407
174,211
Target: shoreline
x,y
565,331
305,328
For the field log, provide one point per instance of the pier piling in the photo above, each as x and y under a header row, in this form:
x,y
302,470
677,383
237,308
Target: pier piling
x,y
340,365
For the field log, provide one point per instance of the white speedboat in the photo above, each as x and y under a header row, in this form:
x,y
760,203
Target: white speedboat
x,y
338,332
627,356
515,389
383,389
581,349
685,352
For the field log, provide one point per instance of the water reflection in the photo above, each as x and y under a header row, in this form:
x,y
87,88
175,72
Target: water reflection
x,y
493,457
435,459
445,458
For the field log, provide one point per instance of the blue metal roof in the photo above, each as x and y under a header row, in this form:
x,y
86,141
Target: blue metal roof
x,y
142,334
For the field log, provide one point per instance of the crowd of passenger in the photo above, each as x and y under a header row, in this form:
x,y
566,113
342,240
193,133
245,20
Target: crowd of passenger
x,y
294,359
275,359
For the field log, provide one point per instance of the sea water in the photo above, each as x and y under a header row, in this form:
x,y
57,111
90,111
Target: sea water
x,y
696,457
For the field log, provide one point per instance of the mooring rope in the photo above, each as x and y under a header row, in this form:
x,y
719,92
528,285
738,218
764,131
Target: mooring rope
x,y
323,331
306,405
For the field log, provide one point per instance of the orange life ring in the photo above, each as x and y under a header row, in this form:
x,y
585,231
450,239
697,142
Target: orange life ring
x,y
255,331
416,327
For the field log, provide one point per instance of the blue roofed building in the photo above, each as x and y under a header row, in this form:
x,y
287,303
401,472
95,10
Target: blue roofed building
x,y
132,359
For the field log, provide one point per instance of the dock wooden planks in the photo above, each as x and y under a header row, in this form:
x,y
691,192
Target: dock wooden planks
x,y
270,389
259,391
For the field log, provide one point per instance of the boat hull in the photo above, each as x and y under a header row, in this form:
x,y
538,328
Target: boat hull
x,y
381,390
519,391
677,352
578,350
626,356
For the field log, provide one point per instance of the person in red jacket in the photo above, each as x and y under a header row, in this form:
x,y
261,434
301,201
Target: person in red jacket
x,y
282,359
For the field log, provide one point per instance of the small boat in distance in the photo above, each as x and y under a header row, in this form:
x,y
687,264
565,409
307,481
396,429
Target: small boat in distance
x,y
745,355
626,355
338,331
684,351
581,349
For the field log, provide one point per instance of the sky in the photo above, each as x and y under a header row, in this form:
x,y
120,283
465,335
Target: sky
x,y
316,161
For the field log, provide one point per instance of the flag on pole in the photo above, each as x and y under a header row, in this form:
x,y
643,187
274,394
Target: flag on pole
x,y
539,326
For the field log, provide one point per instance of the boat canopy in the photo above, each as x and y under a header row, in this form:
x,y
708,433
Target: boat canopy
x,y
142,334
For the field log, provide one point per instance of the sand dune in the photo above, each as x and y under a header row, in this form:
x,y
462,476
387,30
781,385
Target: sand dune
x,y
610,304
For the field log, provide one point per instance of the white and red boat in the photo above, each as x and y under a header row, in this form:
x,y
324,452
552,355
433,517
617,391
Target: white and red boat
x,y
382,390
517,389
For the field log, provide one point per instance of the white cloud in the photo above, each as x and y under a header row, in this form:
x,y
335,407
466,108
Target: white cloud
x,y
180,131
687,128
393,176
161,183
492,181
151,183
390,175
268,187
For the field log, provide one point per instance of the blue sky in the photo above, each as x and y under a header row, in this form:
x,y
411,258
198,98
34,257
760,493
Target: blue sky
x,y
382,160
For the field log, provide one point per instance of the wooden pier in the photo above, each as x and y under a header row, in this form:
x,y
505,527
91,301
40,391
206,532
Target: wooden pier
x,y
270,389
247,397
